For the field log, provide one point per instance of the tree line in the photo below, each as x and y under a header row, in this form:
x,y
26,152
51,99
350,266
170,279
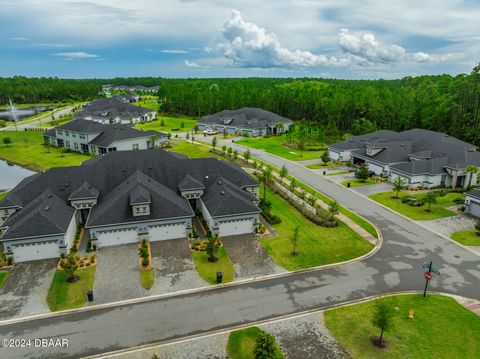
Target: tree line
x,y
445,103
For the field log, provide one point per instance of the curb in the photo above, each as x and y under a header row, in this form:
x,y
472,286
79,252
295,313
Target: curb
x,y
167,342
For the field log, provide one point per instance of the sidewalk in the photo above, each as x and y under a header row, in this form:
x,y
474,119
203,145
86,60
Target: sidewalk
x,y
471,304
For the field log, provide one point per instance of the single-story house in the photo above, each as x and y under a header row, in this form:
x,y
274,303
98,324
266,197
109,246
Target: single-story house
x,y
472,203
129,97
247,121
423,158
136,88
124,196
115,110
96,138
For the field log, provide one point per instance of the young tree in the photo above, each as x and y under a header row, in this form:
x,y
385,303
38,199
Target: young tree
x,y
214,142
266,177
294,240
154,139
311,200
247,155
293,185
224,148
382,318
362,173
7,141
162,123
235,154
264,346
283,172
70,267
471,170
430,197
399,184
325,157
211,248
334,208
229,151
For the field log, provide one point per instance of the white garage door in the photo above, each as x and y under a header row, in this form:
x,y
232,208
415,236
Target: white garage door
x,y
375,168
474,209
115,238
232,228
32,252
171,231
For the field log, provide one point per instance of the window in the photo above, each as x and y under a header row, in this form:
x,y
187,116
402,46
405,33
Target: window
x,y
67,144
75,145
135,146
74,135
82,137
67,133
60,132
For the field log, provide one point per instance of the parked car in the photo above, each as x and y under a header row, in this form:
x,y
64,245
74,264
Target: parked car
x,y
210,131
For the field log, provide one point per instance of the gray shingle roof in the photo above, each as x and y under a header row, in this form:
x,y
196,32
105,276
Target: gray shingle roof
x,y
434,150
188,182
111,108
116,174
140,195
474,193
45,214
86,190
246,117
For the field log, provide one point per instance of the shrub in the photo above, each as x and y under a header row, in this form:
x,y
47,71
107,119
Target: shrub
x,y
62,255
9,260
458,200
88,264
92,259
94,247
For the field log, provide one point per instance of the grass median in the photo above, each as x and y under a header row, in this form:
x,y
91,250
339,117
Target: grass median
x,y
467,238
208,270
241,344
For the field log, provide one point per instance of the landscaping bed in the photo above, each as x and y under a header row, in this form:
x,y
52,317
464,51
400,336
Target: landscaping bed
x,y
3,278
437,210
241,344
316,245
147,277
65,295
441,328
467,238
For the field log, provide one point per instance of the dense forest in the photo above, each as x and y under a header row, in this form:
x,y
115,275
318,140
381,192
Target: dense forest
x,y
444,103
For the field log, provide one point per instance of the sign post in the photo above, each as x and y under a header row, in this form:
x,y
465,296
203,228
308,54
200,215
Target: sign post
x,y
428,275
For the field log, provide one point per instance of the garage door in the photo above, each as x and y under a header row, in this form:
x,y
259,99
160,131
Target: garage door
x,y
172,231
32,252
474,209
116,238
232,228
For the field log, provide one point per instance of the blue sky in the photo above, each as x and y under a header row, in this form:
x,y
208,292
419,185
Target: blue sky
x,y
214,38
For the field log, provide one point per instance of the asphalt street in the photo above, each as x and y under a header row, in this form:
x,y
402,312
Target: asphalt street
x,y
397,266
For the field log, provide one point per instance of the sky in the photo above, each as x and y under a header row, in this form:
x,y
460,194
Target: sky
x,y
217,38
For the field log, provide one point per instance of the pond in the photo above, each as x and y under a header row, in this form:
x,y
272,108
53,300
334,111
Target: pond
x,y
22,112
11,175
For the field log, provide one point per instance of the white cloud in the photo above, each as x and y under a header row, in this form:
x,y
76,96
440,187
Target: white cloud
x,y
174,51
192,64
76,55
18,38
52,45
249,45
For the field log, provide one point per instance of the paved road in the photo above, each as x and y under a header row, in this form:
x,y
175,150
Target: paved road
x,y
395,267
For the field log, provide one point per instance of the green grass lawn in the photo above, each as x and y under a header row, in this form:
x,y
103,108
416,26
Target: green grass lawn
x,y
317,166
441,328
63,295
275,146
355,182
170,124
150,103
3,195
438,209
27,150
316,245
3,278
338,173
147,278
208,271
192,150
241,344
467,238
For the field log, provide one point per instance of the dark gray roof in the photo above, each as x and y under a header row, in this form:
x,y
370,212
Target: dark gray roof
x,y
46,214
224,198
140,195
107,133
116,174
111,107
188,182
246,117
86,190
433,151
474,193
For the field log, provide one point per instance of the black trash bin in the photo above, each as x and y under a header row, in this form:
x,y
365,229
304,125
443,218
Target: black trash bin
x,y
219,277
348,184
324,173
90,295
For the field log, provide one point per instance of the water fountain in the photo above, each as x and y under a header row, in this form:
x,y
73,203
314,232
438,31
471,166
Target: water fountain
x,y
13,112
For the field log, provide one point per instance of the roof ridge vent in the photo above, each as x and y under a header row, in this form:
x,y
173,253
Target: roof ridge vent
x,y
222,192
47,208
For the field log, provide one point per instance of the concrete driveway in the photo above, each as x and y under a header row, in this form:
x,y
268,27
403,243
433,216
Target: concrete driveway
x,y
174,267
25,291
248,257
117,275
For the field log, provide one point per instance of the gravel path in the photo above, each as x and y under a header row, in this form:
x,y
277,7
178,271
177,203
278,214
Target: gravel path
x,y
449,225
174,267
25,291
249,258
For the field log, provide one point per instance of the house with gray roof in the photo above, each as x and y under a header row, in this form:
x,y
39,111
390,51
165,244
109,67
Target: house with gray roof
x,y
97,139
423,158
122,197
472,202
247,121
116,109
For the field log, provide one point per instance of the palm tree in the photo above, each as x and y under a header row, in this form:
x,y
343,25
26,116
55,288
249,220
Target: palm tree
x,y
266,177
399,184
430,197
471,170
247,155
214,142
154,139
